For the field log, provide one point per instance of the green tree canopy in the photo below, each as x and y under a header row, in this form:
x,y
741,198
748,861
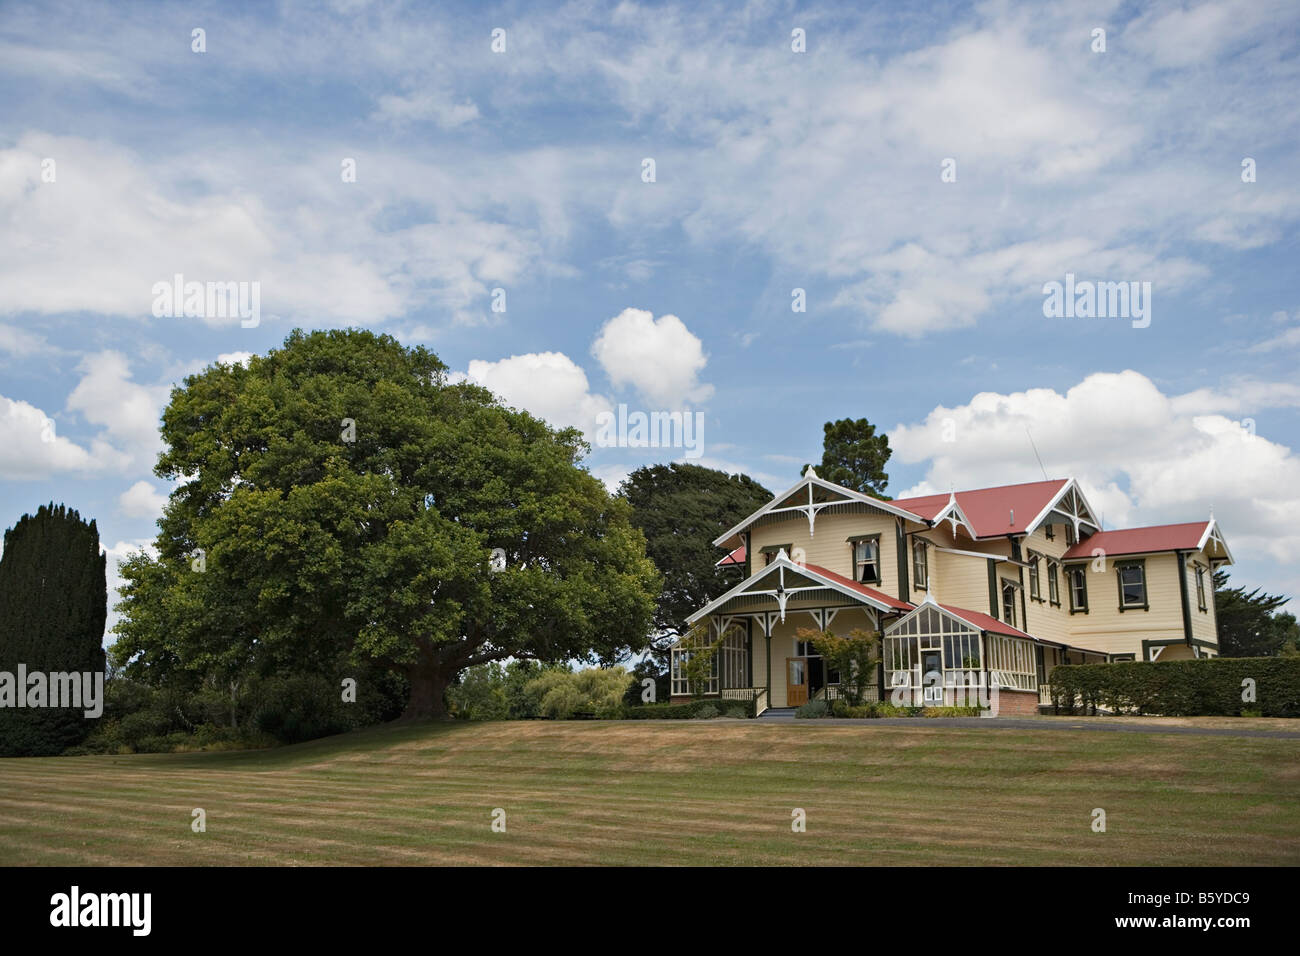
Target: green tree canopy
x,y
1250,624
339,498
681,508
53,604
854,456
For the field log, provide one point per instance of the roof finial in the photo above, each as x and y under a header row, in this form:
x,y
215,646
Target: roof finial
x,y
809,472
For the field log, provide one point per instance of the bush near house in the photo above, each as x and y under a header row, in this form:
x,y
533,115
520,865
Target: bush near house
x,y
1216,686
842,709
594,692
688,711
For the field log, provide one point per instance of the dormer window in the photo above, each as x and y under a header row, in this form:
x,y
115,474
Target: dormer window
x,y
866,558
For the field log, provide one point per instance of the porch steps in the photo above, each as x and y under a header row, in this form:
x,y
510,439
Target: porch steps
x,y
777,713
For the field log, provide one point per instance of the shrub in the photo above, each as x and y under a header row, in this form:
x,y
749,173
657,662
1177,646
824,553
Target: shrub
x,y
480,694
1203,687
812,709
563,694
706,712
666,711
736,712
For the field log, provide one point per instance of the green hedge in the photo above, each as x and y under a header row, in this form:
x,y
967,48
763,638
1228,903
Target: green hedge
x,y
1205,687
688,711
843,709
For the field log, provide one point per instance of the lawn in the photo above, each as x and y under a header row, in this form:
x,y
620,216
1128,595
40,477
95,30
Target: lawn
x,y
673,792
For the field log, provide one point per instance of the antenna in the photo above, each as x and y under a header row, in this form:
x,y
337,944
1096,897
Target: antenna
x,y
1035,448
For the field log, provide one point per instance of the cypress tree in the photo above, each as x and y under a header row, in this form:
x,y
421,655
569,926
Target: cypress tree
x,y
53,605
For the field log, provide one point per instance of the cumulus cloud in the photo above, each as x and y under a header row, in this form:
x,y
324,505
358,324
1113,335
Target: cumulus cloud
x,y
142,500
31,448
127,411
661,357
1142,457
549,385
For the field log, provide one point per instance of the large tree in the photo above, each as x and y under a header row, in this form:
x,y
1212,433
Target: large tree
x,y
681,508
1250,624
340,498
53,604
854,456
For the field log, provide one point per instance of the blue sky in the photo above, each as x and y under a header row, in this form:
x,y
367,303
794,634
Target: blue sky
x,y
775,170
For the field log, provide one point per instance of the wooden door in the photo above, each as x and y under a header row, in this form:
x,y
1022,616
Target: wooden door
x,y
796,681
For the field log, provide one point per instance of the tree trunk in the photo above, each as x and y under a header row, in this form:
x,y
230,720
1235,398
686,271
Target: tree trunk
x,y
428,688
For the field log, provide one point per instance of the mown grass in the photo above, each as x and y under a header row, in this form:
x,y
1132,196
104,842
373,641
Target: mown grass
x,y
673,792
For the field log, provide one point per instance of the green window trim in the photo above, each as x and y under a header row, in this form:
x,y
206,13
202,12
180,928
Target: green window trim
x,y
921,563
774,548
1120,568
1082,573
1035,578
854,573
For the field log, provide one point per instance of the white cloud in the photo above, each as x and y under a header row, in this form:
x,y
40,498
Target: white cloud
x,y
115,555
128,412
1142,457
437,107
30,446
20,343
547,384
661,358
142,500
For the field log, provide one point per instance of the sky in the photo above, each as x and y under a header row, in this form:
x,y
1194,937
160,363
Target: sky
x,y
763,215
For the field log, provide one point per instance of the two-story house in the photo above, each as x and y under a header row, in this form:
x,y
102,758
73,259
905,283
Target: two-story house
x,y
995,586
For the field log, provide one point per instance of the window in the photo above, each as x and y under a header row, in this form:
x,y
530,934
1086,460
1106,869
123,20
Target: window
x,y
1132,585
1078,589
920,563
1200,588
1012,663
1049,533
1009,603
772,550
866,559
1035,589
1053,586
729,667
1070,538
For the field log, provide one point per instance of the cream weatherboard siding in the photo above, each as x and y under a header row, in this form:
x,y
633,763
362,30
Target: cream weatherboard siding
x,y
828,546
1204,623
1105,628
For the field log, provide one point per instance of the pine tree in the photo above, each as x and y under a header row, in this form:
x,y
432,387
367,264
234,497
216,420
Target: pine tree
x,y
53,604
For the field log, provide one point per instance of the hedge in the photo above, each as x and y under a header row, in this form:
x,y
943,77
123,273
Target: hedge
x,y
686,711
1212,686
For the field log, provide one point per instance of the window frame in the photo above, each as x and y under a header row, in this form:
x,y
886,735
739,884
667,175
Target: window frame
x,y
1009,586
1201,603
1070,573
921,567
1129,565
1053,583
1035,579
872,540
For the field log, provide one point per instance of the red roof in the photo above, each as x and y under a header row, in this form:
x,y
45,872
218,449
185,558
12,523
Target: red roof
x,y
984,622
732,559
880,596
1006,509
1162,537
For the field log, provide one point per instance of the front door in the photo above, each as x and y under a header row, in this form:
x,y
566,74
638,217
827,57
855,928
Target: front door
x,y
932,676
796,681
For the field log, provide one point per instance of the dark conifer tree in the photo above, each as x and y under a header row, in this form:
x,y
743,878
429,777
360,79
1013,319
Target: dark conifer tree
x,y
53,604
